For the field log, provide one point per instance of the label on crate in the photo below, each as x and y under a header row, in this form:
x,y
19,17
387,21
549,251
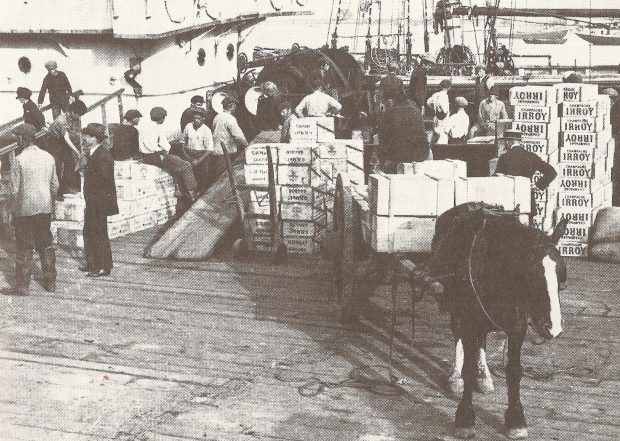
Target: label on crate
x,y
583,200
542,147
146,171
299,175
544,208
299,195
260,226
585,108
532,95
331,168
534,113
300,212
573,92
582,124
577,216
584,139
301,245
296,153
334,150
257,174
122,169
535,129
300,228
572,248
579,184
578,233
257,153
577,170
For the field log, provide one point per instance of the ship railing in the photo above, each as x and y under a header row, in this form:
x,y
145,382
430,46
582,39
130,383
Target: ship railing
x,y
17,121
9,150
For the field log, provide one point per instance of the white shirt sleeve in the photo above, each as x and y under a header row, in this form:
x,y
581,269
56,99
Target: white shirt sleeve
x,y
301,107
333,102
162,140
209,145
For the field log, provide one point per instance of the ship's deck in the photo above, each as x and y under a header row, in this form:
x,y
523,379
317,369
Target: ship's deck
x,y
164,350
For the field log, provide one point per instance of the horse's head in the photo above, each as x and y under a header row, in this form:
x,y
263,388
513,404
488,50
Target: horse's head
x,y
546,271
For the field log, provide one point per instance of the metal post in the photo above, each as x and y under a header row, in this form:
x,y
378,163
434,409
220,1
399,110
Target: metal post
x,y
104,120
121,113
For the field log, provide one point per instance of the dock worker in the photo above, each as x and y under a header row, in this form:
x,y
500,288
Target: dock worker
x,y
391,85
318,103
517,161
440,104
614,116
126,139
197,143
267,114
32,187
418,83
64,145
490,111
287,116
154,145
197,102
59,87
32,114
100,199
457,126
402,137
228,134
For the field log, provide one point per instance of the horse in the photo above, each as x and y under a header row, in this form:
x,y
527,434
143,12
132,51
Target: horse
x,y
496,272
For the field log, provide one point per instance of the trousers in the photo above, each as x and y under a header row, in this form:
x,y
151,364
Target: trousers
x,y
33,233
68,177
180,169
201,171
97,250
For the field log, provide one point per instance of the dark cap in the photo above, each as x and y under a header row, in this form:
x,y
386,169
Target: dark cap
x,y
78,107
24,92
445,83
512,134
229,100
25,130
158,113
131,114
96,130
197,99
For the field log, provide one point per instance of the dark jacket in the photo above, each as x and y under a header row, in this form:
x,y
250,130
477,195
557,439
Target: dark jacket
x,y
267,114
401,134
59,89
392,86
32,115
519,162
418,86
126,143
99,187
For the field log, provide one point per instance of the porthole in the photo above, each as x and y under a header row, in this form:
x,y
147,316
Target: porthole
x,y
201,57
230,52
24,65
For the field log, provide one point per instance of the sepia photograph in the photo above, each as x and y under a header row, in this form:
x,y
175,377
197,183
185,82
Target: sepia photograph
x,y
309,220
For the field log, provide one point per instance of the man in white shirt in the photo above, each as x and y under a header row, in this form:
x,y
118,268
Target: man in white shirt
x,y
440,103
198,145
318,103
457,125
228,134
155,147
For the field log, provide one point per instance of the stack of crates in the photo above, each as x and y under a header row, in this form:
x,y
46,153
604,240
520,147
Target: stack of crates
x,y
568,126
145,196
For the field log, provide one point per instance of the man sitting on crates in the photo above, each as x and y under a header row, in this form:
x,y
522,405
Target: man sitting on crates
x,y
519,162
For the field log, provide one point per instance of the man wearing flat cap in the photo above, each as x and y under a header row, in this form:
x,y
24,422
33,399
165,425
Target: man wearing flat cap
x,y
226,135
197,143
126,141
196,103
100,198
391,86
32,114
32,188
490,111
57,83
155,148
517,161
267,114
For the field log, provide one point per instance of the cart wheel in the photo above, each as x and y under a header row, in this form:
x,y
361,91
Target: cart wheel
x,y
240,248
281,254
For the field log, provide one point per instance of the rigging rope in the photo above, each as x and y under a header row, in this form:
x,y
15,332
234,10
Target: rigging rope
x,y
329,26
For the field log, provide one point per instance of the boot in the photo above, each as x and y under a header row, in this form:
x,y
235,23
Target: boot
x,y
23,272
48,267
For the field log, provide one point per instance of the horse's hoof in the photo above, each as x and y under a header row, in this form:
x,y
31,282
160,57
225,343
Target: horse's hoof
x,y
517,433
456,387
465,432
484,385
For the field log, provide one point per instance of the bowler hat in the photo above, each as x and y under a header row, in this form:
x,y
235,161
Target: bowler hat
x,y
25,130
24,92
96,130
131,114
512,134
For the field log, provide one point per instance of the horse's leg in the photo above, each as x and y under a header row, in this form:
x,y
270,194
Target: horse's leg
x,y
484,381
516,426
455,381
465,418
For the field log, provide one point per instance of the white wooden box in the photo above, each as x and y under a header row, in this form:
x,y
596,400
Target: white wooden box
x,y
591,108
409,195
509,192
142,222
536,129
70,209
300,175
585,139
301,245
580,155
146,171
390,234
313,129
260,226
532,96
535,113
543,223
134,189
145,205
122,169
338,148
540,146
297,153
294,228
69,233
118,228
257,153
600,198
578,216
574,92
301,194
258,174
300,212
